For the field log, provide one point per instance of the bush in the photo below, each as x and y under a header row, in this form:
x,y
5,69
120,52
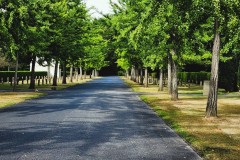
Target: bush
x,y
121,73
21,74
153,75
193,76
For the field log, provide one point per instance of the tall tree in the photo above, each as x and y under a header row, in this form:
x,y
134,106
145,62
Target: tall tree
x,y
220,17
14,16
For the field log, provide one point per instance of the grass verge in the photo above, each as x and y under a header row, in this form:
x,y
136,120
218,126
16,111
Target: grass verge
x,y
214,138
8,98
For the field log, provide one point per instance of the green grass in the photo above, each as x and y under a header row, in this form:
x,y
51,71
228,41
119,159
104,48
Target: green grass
x,y
9,98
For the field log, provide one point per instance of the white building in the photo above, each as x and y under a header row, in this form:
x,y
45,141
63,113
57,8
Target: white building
x,y
49,69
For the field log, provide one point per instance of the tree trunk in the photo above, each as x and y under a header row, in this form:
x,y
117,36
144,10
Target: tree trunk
x,y
136,75
15,75
238,76
32,81
71,73
81,73
133,73
85,74
146,77
160,79
141,76
48,72
211,109
93,73
174,95
127,73
169,74
96,73
64,80
76,73
55,74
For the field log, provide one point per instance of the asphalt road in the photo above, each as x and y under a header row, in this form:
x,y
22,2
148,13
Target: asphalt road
x,y
100,120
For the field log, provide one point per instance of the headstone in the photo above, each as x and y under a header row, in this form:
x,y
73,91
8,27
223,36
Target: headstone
x,y
206,86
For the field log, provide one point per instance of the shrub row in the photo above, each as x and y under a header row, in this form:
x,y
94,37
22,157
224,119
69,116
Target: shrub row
x,y
4,75
193,77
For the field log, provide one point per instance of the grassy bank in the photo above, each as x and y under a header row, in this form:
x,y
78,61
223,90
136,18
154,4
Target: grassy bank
x,y
214,138
8,98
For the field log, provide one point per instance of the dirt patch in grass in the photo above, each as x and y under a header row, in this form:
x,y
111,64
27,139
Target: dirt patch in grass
x,y
213,138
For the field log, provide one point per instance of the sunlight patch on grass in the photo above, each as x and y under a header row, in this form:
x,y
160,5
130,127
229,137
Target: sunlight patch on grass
x,y
10,98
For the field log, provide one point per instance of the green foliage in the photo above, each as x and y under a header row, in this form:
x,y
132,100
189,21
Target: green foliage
x,y
121,73
154,75
96,47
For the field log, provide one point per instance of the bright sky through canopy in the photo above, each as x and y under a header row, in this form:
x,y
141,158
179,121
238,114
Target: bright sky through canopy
x,y
101,5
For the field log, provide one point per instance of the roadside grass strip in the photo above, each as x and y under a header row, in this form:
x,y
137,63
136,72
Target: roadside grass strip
x,y
213,138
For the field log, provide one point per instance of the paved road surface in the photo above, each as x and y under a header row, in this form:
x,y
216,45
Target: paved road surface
x,y
100,120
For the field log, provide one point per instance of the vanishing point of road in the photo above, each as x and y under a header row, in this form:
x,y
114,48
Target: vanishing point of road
x,y
100,120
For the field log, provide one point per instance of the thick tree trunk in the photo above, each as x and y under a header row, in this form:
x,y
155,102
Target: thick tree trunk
x,y
136,75
48,72
160,79
85,74
146,77
127,74
55,74
32,81
169,74
96,73
76,73
141,76
211,109
133,73
71,73
81,73
93,73
64,80
15,75
238,76
174,95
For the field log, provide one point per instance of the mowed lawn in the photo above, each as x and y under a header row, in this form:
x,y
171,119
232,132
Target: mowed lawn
x,y
213,138
9,98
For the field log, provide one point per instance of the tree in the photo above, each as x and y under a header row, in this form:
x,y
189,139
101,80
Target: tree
x,y
36,34
222,17
14,26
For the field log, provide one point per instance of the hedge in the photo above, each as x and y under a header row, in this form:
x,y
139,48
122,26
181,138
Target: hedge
x,y
193,77
21,74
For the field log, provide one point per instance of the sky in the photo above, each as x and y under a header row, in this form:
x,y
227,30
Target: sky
x,y
101,5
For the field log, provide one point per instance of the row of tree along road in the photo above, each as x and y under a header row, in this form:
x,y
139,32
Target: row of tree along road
x,y
169,34
52,32
164,35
